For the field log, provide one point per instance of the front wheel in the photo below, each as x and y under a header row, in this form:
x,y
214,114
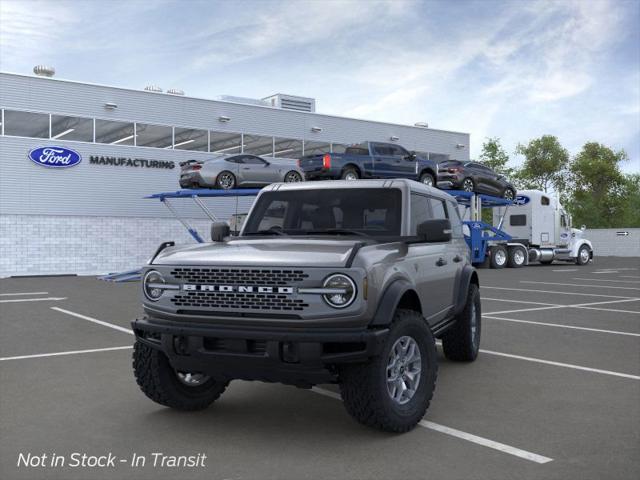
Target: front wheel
x,y
392,392
427,179
584,255
461,343
292,177
164,385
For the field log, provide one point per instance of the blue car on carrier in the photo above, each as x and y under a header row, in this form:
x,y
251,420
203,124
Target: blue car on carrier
x,y
370,160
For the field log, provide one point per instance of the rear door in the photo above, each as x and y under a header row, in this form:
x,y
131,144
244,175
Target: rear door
x,y
383,160
403,165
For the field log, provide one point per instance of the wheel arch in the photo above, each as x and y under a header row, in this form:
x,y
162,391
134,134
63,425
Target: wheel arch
x,y
430,171
399,294
354,166
467,277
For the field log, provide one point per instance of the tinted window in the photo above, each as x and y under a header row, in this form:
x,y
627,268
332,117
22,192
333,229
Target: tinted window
x,y
438,209
191,139
398,151
224,142
382,149
114,133
250,159
357,151
71,128
544,201
420,211
375,212
157,136
518,220
456,222
238,159
26,124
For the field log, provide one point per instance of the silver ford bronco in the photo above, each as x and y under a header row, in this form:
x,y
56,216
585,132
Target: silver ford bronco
x,y
345,282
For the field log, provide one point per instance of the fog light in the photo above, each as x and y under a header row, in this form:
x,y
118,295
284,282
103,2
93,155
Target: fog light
x,y
345,291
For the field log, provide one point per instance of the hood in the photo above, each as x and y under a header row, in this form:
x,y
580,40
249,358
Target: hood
x,y
285,252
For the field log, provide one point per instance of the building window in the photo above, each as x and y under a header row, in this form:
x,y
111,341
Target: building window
x,y
287,148
191,139
26,124
316,148
71,128
157,136
258,145
114,133
225,143
338,148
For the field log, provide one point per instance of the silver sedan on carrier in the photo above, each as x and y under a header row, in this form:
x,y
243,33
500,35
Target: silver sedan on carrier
x,y
233,171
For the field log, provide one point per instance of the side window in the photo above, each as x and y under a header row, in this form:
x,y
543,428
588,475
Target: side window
x,y
250,159
438,209
398,151
518,220
420,211
456,223
544,201
235,159
563,220
382,149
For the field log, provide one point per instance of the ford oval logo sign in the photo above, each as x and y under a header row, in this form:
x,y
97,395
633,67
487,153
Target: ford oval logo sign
x,y
521,200
55,157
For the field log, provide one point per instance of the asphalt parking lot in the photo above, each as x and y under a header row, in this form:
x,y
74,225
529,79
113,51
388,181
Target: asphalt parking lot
x,y
554,394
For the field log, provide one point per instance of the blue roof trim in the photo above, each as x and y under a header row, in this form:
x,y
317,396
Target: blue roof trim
x,y
205,192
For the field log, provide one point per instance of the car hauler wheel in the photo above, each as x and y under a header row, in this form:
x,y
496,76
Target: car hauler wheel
x,y
461,342
584,255
392,392
517,257
499,256
164,385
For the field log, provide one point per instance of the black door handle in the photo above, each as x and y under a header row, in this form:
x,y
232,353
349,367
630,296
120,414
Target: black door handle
x,y
441,262
457,259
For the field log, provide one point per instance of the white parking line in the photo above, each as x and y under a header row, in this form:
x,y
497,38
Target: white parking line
x,y
72,352
629,276
606,280
47,299
469,437
556,292
560,364
597,330
519,301
94,320
588,306
566,270
23,293
580,285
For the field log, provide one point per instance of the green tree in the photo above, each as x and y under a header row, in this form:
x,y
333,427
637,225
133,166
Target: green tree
x,y
630,216
599,194
495,157
545,164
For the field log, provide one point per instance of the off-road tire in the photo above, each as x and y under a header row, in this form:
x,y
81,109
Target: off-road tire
x,y
461,343
426,175
496,251
159,381
364,386
350,172
512,262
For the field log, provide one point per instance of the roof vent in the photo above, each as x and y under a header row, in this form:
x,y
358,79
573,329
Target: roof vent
x,y
153,88
44,71
175,91
421,124
292,102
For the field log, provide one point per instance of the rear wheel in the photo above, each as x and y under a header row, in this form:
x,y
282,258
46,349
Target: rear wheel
x,y
164,385
462,341
427,179
584,255
392,392
517,257
350,173
468,185
226,180
498,256
292,177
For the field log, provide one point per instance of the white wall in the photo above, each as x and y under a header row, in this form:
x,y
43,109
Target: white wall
x,y
607,242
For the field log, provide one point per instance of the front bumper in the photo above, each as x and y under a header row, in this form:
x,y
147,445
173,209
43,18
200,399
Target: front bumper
x,y
302,358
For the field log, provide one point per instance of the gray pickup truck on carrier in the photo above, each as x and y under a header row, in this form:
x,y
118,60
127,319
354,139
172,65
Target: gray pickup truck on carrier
x,y
328,282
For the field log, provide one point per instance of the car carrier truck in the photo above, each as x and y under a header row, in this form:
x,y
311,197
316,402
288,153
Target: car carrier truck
x,y
540,226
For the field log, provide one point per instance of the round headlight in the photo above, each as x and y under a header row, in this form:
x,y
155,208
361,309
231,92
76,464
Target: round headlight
x,y
345,291
151,285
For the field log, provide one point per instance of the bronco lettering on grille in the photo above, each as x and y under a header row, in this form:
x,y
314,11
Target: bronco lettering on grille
x,y
237,288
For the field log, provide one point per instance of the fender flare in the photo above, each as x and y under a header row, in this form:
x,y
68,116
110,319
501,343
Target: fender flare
x,y
580,243
468,276
355,166
389,302
428,170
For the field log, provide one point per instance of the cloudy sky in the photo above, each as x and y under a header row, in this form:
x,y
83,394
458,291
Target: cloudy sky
x,y
514,69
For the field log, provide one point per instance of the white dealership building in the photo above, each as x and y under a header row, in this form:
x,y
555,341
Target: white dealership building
x,y
90,217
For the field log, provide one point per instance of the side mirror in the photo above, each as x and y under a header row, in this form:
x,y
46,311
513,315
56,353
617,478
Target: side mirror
x,y
434,231
220,230
583,228
411,156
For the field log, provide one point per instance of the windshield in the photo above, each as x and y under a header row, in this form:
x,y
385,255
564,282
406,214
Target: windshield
x,y
374,212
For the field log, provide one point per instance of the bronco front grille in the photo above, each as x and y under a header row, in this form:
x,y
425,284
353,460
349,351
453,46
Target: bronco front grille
x,y
228,276
244,301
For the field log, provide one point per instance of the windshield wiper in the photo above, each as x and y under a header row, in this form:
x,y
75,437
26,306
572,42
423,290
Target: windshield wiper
x,y
266,232
336,231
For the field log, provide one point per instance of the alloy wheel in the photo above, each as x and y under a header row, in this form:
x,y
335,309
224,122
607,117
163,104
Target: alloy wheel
x,y
226,181
192,379
467,185
403,370
292,177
